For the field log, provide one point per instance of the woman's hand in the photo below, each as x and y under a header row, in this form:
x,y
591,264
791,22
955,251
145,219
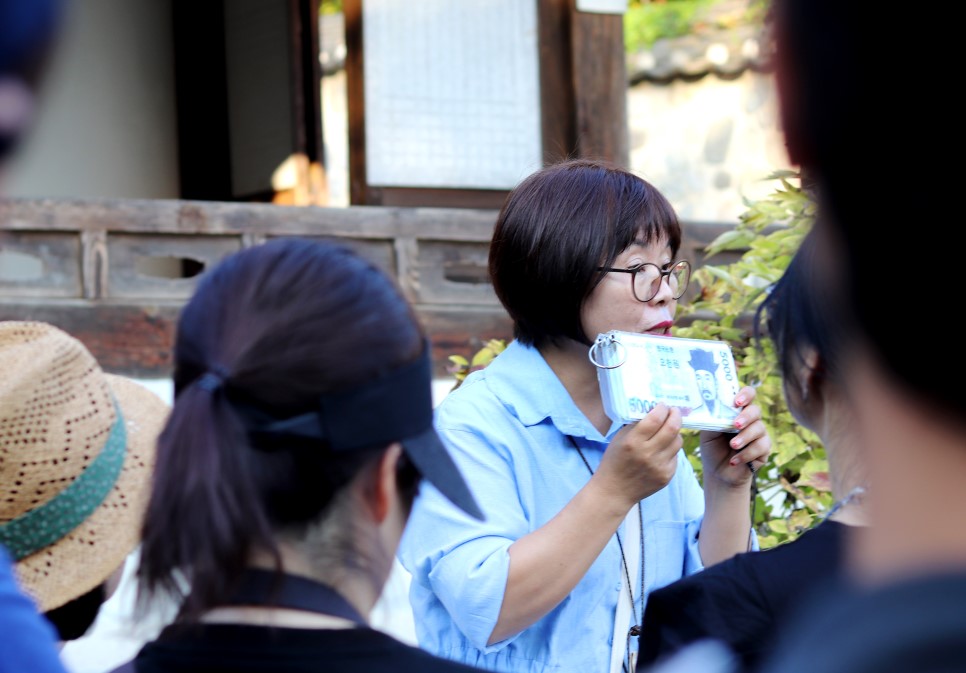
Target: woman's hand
x,y
731,459
547,563
642,457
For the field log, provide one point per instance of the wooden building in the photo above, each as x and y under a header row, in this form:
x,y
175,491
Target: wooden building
x,y
239,83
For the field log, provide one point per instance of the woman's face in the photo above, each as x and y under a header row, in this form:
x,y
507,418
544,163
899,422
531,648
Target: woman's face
x,y
612,305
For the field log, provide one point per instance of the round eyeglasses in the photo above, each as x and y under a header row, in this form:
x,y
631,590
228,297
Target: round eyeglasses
x,y
646,278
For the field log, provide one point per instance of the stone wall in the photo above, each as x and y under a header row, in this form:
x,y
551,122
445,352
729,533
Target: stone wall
x,y
707,144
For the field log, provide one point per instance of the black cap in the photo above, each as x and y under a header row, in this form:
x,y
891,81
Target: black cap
x,y
397,407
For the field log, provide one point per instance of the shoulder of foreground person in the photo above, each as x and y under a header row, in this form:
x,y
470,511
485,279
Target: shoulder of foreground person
x,y
191,648
741,600
911,625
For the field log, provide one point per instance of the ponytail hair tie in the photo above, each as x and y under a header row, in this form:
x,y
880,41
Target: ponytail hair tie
x,y
213,379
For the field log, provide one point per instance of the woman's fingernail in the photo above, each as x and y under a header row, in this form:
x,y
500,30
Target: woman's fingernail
x,y
739,423
735,443
734,461
739,401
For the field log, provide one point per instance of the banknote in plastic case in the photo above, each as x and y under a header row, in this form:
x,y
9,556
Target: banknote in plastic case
x,y
637,371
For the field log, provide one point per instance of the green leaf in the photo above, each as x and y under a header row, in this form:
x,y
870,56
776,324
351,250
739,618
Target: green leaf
x,y
779,526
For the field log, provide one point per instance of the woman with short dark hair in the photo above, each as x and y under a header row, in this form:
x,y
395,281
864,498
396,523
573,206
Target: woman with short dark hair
x,y
555,579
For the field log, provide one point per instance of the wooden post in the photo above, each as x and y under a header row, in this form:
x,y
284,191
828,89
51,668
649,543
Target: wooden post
x,y
600,86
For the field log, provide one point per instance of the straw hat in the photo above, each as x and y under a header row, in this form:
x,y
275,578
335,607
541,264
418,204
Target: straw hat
x,y
75,468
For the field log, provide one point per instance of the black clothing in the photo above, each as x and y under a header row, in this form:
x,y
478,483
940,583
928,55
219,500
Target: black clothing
x,y
265,587
247,648
742,600
237,648
913,626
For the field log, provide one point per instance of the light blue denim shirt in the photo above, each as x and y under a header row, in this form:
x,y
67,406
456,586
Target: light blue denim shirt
x,y
507,427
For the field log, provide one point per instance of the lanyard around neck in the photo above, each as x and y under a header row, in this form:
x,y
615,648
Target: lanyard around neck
x,y
281,590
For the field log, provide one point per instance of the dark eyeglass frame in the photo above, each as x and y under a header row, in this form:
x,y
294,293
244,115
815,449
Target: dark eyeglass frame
x,y
664,273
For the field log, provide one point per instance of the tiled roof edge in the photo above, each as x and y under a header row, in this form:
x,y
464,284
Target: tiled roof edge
x,y
725,54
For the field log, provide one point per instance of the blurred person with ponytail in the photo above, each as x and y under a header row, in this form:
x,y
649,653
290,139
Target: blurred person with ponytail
x,y
300,434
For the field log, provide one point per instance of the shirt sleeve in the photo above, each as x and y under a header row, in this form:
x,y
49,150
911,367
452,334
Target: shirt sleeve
x,y
462,562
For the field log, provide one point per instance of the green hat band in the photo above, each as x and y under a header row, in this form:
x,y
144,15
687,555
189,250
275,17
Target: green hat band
x,y
42,526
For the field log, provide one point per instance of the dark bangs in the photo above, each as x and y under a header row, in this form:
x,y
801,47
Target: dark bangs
x,y
643,213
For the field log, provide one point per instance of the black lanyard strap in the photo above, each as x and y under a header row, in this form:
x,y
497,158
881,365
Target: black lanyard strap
x,y
280,590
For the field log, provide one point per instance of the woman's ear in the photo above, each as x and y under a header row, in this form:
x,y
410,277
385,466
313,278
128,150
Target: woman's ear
x,y
803,390
812,373
811,383
384,490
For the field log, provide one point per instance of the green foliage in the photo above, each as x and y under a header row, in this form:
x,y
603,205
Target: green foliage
x,y
646,22
460,367
794,487
330,7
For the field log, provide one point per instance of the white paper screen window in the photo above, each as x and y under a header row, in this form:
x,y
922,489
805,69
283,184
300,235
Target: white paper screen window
x,y
452,93
602,6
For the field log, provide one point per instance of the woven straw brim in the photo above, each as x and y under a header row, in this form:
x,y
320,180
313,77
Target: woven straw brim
x,y
88,555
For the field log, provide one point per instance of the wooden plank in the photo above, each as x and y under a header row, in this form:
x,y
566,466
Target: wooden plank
x,y
40,264
138,339
133,340
381,252
216,217
258,221
600,86
440,198
97,268
557,109
453,272
155,267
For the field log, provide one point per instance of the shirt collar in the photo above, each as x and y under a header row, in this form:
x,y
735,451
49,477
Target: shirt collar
x,y
537,395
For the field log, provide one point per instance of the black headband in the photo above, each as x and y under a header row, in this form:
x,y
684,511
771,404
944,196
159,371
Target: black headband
x,y
397,407
388,409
